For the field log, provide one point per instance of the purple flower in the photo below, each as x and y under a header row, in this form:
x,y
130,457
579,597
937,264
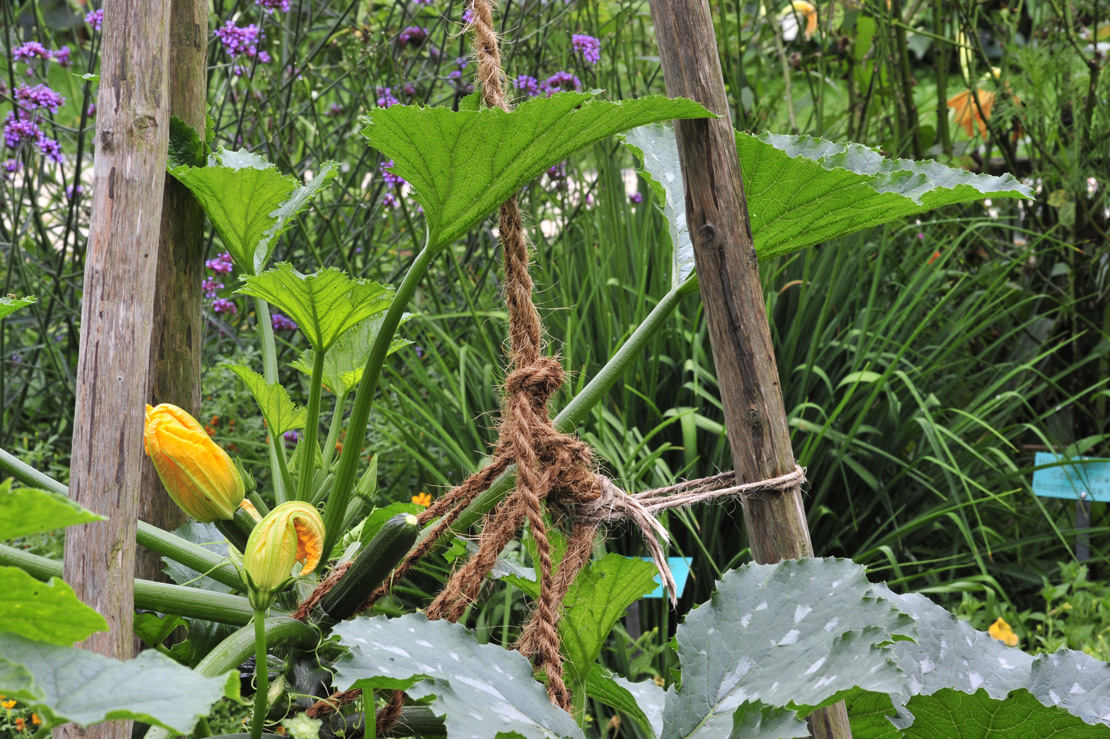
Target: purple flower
x,y
61,56
530,86
636,197
387,174
271,5
419,351
423,2
588,46
29,52
560,82
222,264
50,148
73,191
334,110
468,15
91,110
12,165
242,41
223,305
414,36
210,286
557,171
454,74
410,89
389,200
291,437
39,96
386,98
18,128
281,323
95,19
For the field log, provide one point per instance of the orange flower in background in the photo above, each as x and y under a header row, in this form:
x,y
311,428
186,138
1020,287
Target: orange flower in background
x,y
197,473
8,704
20,725
1001,631
423,499
795,12
968,113
35,719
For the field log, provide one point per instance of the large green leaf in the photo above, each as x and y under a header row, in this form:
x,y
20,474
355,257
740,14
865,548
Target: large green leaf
x,y
596,600
39,510
277,408
803,190
484,689
207,536
464,164
324,304
345,361
642,701
796,633
45,611
249,201
185,146
66,684
10,304
657,150
757,721
952,714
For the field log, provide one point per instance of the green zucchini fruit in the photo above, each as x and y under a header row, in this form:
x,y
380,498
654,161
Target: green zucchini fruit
x,y
371,567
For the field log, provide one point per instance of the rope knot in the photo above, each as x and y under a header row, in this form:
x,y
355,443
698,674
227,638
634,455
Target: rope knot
x,y
539,380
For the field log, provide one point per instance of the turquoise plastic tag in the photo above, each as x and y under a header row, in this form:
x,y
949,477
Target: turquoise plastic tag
x,y
1071,477
680,568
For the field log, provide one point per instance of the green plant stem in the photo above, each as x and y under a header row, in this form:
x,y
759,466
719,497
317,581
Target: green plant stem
x,y
279,470
261,674
234,534
147,535
312,428
155,596
579,696
281,631
336,508
333,434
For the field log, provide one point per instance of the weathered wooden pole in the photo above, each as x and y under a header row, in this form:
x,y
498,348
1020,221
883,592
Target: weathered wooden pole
x,y
174,370
735,311
120,268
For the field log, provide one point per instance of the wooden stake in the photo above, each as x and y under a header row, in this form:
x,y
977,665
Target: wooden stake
x,y
717,216
120,267
174,370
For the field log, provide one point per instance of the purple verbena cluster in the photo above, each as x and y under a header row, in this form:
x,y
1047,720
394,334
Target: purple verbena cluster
x,y
10,167
222,264
636,197
588,46
39,96
291,437
557,175
391,179
468,16
560,82
29,52
95,19
386,98
73,191
211,286
413,36
282,323
22,123
223,305
242,41
271,5
530,86
423,2
335,109
61,56
389,200
455,76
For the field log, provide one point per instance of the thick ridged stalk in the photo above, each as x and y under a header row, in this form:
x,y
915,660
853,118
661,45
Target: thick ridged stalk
x,y
311,429
234,651
261,674
336,508
222,608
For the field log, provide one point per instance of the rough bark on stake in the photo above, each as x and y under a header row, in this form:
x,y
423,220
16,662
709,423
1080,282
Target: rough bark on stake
x,y
174,370
717,216
128,173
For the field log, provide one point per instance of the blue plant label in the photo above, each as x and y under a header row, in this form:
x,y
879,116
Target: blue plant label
x,y
680,568
1071,477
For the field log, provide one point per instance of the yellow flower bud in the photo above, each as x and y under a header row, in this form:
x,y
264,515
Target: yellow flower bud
x,y
197,473
293,532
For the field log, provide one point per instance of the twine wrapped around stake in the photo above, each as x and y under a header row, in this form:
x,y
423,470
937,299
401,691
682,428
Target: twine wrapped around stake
x,y
554,470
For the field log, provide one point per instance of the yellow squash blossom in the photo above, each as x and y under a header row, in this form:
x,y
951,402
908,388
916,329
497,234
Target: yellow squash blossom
x,y
293,532
197,473
968,113
1001,631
